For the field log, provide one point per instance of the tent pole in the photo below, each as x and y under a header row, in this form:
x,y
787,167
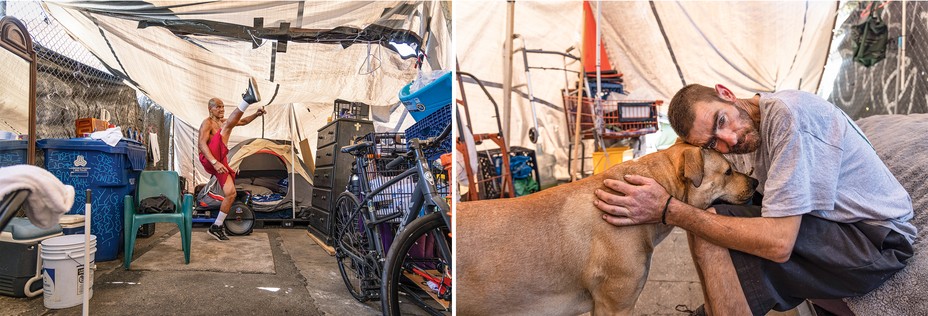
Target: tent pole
x,y
507,71
291,183
577,141
599,82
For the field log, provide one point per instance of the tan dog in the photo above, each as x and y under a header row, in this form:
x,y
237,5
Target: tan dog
x,y
551,253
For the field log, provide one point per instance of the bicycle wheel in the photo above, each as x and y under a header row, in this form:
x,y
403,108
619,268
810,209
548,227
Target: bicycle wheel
x,y
417,276
350,244
241,219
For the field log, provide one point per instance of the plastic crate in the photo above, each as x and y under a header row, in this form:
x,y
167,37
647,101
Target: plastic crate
x,y
607,88
349,109
427,99
490,168
621,119
432,126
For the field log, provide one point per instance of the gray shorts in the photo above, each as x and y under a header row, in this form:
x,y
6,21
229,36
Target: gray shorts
x,y
830,260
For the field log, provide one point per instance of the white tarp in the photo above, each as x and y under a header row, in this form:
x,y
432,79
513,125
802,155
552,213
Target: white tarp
x,y
748,46
182,72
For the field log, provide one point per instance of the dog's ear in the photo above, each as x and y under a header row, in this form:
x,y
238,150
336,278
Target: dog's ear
x,y
693,165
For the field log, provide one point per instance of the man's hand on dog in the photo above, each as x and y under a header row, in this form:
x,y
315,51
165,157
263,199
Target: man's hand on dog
x,y
642,203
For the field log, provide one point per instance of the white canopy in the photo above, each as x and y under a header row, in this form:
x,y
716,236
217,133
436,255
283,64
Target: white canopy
x,y
659,46
180,54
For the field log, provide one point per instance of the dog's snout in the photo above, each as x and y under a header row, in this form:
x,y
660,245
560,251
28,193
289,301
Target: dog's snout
x,y
754,183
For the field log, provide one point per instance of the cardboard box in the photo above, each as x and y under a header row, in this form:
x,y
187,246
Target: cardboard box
x,y
89,125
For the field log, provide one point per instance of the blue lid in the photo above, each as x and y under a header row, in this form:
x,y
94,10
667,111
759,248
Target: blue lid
x,y
133,149
12,144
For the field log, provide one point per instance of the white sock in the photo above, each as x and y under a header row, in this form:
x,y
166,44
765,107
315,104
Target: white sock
x,y
220,218
243,106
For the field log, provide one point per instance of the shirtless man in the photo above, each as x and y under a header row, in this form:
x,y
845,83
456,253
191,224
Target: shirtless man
x,y
214,135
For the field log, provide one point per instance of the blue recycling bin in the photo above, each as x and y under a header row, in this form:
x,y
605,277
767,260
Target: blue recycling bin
x,y
110,172
12,152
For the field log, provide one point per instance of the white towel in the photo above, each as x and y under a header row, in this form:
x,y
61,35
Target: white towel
x,y
111,136
49,199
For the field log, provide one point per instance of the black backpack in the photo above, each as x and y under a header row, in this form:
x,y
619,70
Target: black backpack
x,y
155,205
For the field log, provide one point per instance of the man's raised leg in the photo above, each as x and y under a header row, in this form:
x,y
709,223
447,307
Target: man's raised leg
x,y
250,97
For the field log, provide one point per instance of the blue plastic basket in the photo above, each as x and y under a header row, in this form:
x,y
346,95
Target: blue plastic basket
x,y
427,99
431,126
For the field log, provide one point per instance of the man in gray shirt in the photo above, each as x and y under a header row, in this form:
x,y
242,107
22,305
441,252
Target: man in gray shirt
x,y
832,221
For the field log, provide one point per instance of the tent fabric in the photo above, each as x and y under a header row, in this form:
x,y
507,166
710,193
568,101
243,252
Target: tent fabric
x,y
181,72
259,158
748,46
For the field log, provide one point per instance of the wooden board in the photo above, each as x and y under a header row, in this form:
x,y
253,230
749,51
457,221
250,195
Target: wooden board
x,y
420,281
327,248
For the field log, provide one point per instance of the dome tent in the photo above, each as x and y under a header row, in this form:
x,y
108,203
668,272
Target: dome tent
x,y
259,164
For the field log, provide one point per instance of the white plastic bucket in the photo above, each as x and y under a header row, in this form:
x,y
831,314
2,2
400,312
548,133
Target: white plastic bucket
x,y
62,266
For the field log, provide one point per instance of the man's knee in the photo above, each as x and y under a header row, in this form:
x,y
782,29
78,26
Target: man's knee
x,y
230,194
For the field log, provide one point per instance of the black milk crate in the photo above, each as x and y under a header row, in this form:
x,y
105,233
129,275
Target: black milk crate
x,y
489,176
349,109
431,126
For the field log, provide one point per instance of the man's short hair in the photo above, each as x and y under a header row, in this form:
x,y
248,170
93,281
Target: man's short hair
x,y
680,111
214,102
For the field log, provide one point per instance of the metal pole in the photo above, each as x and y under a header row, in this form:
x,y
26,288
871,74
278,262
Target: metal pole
x,y
578,142
507,70
293,161
531,97
599,83
88,275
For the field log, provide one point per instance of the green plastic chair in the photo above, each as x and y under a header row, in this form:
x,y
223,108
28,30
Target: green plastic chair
x,y
153,184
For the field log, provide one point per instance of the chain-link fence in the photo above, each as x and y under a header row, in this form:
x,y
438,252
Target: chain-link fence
x,y
72,83
864,91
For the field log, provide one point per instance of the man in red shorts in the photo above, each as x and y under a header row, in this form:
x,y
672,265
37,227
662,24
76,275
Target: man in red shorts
x,y
214,135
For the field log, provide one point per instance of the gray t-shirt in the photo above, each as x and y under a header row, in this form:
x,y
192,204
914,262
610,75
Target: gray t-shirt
x,y
814,160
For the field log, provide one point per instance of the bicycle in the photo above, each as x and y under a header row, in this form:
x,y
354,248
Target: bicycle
x,y
383,199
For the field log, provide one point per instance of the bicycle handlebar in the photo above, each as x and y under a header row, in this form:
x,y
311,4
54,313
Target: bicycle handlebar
x,y
395,162
350,148
433,141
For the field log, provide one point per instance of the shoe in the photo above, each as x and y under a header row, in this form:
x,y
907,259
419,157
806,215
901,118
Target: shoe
x,y
251,94
700,311
218,232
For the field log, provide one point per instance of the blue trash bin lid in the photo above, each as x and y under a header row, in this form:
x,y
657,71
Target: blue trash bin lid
x,y
131,148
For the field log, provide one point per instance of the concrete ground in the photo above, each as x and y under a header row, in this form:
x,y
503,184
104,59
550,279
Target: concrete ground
x,y
307,282
673,281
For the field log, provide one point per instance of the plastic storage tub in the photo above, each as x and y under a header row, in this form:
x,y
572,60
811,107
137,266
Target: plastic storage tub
x,y
427,99
110,172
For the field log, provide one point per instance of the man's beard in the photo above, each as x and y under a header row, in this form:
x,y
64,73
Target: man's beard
x,y
749,137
